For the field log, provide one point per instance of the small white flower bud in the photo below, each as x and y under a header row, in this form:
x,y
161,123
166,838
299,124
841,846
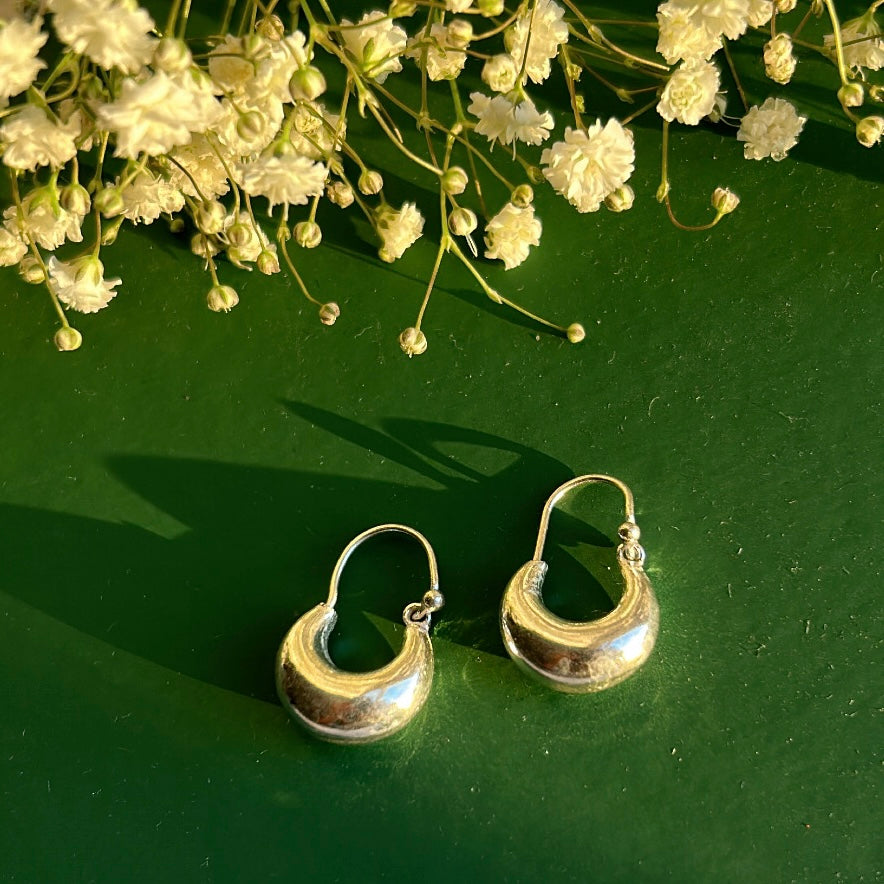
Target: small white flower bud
x,y
328,313
490,8
271,28
340,193
575,332
210,217
74,198
307,83
662,191
222,298
784,6
204,246
869,131
462,222
724,201
454,181
68,338
172,56
250,125
30,270
621,199
267,263
109,201
851,95
370,182
413,342
522,196
500,72
308,234
176,224
239,235
402,8
460,32
253,46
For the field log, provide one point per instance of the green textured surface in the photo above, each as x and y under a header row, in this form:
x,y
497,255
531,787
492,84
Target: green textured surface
x,y
178,490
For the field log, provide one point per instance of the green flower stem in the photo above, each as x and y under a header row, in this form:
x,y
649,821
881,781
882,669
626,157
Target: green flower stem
x,y
733,69
283,247
839,46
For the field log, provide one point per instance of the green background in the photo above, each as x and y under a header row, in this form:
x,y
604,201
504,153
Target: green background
x,y
176,493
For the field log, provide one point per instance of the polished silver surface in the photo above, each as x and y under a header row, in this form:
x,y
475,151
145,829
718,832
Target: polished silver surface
x,y
582,657
358,707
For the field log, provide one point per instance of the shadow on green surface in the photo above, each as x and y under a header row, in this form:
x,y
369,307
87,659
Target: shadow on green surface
x,y
260,544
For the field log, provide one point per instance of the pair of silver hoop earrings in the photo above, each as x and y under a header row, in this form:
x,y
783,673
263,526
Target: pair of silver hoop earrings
x,y
569,656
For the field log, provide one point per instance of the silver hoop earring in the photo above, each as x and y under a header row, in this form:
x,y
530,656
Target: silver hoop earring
x,y
358,707
581,657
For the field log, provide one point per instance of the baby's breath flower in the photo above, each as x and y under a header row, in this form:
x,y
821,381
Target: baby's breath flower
x,y
307,83
869,130
851,95
317,133
444,60
202,164
370,182
683,34
590,164
462,221
690,92
724,201
375,44
500,73
770,130
75,198
109,201
460,32
540,34
760,12
283,178
247,240
340,193
455,180
728,18
784,6
510,234
522,196
32,139
491,8
779,59
500,119
67,338
80,283
268,261
112,33
308,234
222,298
458,5
12,249
329,313
865,47
575,332
31,270
44,221
204,246
397,229
621,199
210,217
172,55
20,41
413,342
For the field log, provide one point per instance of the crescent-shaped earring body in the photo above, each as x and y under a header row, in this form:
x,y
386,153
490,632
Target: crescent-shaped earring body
x,y
581,657
357,707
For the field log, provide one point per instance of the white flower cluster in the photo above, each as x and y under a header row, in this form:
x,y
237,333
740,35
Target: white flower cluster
x,y
206,139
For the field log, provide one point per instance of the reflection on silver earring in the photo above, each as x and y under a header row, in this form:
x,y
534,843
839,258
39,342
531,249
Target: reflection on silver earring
x,y
358,707
590,656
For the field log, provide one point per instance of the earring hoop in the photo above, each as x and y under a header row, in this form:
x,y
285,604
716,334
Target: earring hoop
x,y
582,657
358,707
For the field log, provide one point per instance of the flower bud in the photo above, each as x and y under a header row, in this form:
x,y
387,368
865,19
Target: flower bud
x,y
621,199
222,298
869,131
460,32
724,201
413,342
876,93
210,217
110,231
370,182
340,193
500,72
454,181
535,174
30,270
328,313
68,338
109,201
74,198
784,6
462,222
271,28
402,8
176,224
575,332
250,125
253,46
522,196
851,95
307,83
239,235
172,56
662,191
308,234
719,106
267,262
490,8
204,246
